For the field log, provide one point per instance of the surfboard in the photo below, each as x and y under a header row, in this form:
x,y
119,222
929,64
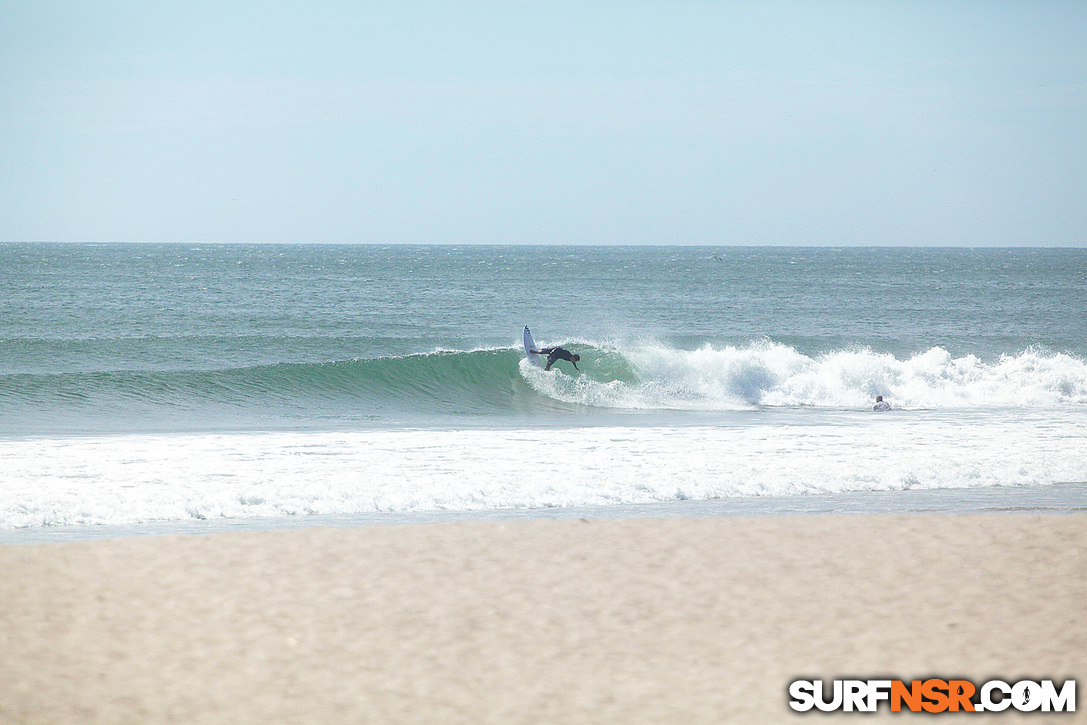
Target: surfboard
x,y
530,345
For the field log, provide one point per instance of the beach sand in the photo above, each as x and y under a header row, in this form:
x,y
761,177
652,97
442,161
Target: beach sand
x,y
701,620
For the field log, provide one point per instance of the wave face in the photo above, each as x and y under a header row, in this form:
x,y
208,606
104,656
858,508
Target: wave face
x,y
641,377
442,381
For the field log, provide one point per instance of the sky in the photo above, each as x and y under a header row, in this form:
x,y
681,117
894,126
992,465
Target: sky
x,y
522,122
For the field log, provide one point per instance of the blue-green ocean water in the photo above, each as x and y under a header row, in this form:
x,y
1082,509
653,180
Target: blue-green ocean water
x,y
170,382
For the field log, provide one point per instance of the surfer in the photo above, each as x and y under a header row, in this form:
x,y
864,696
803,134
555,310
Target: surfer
x,y
554,354
881,405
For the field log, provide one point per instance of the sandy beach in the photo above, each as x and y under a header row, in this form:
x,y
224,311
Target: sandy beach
x,y
701,620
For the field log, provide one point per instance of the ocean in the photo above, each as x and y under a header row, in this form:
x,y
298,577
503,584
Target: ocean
x,y
155,387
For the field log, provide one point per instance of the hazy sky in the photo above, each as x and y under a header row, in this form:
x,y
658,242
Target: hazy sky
x,y
832,123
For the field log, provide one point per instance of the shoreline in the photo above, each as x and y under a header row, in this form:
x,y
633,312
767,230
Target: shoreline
x,y
1059,498
635,620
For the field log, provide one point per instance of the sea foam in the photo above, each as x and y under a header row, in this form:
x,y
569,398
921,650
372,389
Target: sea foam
x,y
127,479
767,373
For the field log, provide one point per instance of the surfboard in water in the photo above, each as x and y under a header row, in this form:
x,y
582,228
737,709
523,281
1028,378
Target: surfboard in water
x,y
530,345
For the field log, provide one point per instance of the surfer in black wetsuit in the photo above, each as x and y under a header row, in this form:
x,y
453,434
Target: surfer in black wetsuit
x,y
555,354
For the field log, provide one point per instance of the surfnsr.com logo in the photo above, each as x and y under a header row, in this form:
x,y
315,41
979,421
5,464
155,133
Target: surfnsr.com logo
x,y
933,695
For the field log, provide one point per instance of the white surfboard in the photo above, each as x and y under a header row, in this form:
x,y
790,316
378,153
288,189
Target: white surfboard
x,y
530,345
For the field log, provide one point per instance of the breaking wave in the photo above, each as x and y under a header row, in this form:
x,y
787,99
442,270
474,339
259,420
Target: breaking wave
x,y
626,377
766,373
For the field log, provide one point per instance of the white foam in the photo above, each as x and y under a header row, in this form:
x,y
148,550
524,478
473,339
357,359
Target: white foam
x,y
138,478
766,373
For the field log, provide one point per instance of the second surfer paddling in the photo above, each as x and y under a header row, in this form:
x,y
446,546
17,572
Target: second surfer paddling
x,y
555,354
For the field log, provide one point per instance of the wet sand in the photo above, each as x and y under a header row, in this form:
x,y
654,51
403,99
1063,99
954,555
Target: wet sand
x,y
699,620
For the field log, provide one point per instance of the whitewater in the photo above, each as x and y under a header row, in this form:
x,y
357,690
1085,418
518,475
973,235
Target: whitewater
x,y
150,384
